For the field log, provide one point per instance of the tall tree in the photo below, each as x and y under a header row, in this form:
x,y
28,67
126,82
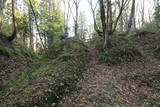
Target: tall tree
x,y
132,15
76,3
109,25
31,35
93,10
36,22
13,36
66,15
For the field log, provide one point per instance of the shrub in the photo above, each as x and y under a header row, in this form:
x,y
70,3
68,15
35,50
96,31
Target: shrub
x,y
157,50
46,83
153,102
122,50
21,48
16,51
150,27
66,56
5,50
119,56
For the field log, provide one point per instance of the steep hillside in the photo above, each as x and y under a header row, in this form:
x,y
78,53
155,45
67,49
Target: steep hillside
x,y
68,77
127,84
31,82
13,60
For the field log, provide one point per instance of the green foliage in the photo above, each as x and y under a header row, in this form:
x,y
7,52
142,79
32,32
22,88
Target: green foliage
x,y
51,22
23,49
122,50
19,48
119,56
157,50
110,57
157,15
46,83
66,56
150,27
22,26
153,102
16,51
5,50
6,29
56,48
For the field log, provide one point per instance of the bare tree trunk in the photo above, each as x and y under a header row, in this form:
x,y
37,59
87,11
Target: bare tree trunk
x,y
45,39
110,18
121,23
107,21
1,13
1,19
93,9
131,17
41,39
102,16
103,21
142,13
2,2
52,4
121,17
76,3
30,30
76,21
13,36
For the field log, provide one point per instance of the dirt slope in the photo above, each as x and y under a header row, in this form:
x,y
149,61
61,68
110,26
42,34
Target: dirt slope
x,y
135,84
13,61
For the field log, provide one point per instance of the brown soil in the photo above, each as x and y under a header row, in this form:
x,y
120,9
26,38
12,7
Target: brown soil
x,y
124,85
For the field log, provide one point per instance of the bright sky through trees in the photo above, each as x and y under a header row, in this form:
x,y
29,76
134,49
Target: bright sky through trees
x,y
85,9
149,4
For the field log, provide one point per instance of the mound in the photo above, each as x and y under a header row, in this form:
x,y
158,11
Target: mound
x,y
45,83
122,50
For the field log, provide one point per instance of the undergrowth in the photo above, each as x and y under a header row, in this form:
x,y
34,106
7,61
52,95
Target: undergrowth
x,y
150,79
45,84
121,50
18,49
157,50
153,102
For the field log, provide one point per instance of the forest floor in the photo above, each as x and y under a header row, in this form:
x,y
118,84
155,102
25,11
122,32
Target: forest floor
x,y
133,84
129,84
29,80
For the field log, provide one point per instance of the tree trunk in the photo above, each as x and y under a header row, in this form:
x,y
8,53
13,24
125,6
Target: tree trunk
x,y
93,9
131,17
142,14
41,39
76,20
31,31
102,16
13,36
